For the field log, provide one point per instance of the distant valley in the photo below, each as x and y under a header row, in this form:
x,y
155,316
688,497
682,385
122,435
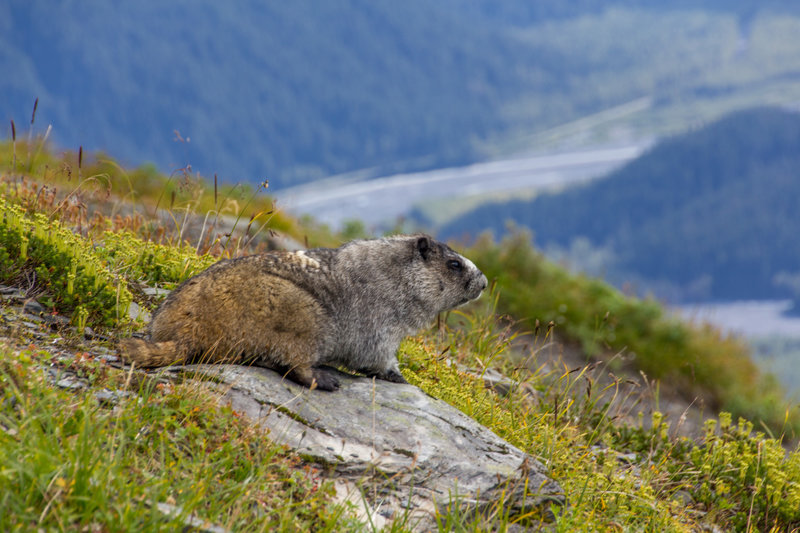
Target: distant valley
x,y
708,215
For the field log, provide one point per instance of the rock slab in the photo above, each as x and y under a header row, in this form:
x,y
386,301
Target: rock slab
x,y
394,450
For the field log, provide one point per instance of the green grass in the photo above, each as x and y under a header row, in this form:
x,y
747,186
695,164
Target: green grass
x,y
70,462
617,476
61,184
697,361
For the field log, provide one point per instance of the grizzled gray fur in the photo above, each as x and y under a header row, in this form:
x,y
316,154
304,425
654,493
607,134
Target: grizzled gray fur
x,y
294,311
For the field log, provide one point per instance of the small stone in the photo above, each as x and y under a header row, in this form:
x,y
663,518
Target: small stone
x,y
110,397
629,458
33,307
191,522
152,291
683,497
70,382
136,312
108,358
56,320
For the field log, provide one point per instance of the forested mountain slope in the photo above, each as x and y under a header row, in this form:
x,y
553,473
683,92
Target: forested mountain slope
x,y
292,91
716,209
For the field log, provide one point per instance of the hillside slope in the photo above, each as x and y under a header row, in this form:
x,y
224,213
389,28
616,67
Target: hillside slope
x,y
715,208
87,445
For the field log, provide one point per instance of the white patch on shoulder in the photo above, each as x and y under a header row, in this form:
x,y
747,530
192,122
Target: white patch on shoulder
x,y
305,261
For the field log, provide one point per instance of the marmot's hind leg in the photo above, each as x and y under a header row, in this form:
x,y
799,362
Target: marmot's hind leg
x,y
324,379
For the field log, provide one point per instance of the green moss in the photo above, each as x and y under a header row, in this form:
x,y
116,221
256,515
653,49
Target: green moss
x,y
65,265
87,282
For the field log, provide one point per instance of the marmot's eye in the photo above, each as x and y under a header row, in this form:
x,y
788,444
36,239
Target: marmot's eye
x,y
454,264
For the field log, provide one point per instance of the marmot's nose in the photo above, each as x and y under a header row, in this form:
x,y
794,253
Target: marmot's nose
x,y
483,282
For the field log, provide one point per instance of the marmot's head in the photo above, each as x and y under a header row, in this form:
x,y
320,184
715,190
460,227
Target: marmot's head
x,y
445,277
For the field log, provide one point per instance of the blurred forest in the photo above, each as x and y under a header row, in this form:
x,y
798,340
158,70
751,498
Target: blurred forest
x,y
713,211
294,91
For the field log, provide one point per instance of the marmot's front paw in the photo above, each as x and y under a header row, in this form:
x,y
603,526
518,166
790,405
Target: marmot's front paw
x,y
392,375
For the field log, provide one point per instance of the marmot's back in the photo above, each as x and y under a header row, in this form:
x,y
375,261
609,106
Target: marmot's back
x,y
240,309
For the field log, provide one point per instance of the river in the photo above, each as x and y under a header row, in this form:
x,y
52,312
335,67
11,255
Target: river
x,y
381,201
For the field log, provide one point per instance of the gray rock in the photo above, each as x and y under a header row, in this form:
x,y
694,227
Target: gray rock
x,y
56,321
108,358
191,522
71,382
7,289
683,497
33,307
394,450
111,397
135,311
12,293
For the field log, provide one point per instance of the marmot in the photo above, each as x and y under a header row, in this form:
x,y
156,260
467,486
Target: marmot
x,y
293,311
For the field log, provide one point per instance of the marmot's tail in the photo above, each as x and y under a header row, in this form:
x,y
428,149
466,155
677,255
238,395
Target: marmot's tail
x,y
150,354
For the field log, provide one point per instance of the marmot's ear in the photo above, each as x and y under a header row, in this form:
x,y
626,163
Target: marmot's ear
x,y
424,247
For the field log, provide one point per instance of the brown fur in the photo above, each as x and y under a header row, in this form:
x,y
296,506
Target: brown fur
x,y
294,311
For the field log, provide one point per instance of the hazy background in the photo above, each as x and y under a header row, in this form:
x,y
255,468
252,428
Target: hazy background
x,y
296,91
654,143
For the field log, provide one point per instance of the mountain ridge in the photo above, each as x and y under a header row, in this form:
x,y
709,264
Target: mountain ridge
x,y
295,92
